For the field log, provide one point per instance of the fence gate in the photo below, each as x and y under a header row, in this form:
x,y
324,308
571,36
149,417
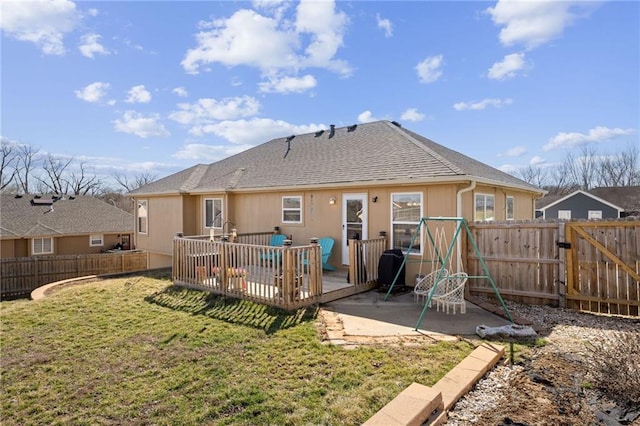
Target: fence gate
x,y
603,261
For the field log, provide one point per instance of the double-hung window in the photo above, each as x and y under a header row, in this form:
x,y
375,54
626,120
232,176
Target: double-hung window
x,y
213,213
485,207
292,209
96,240
143,214
406,213
42,246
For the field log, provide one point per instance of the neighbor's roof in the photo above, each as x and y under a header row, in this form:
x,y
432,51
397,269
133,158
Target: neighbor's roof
x,y
627,197
33,217
559,199
374,153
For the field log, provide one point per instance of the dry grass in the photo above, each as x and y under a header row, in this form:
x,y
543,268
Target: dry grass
x,y
137,350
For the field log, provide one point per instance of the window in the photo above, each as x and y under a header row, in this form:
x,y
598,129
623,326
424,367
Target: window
x,y
96,240
42,246
595,214
510,208
213,213
485,207
564,214
292,209
142,217
406,213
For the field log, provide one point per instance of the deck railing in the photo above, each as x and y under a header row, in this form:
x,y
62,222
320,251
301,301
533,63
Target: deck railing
x,y
287,277
364,256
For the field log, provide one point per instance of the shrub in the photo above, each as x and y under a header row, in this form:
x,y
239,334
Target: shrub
x,y
613,365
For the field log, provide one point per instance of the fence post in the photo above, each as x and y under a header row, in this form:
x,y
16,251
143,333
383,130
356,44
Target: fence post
x,y
562,268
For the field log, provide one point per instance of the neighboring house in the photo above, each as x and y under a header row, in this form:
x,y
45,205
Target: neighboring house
x,y
348,182
33,225
627,197
580,205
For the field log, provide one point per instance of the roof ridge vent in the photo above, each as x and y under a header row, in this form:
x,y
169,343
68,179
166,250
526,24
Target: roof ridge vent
x,y
395,123
352,128
319,133
332,130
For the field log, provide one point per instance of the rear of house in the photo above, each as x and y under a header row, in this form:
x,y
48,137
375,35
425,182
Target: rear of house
x,y
354,182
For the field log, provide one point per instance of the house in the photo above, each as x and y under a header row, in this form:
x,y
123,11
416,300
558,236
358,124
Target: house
x,y
627,197
352,182
599,203
61,225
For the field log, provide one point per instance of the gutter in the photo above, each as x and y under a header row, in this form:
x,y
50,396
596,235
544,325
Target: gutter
x,y
459,214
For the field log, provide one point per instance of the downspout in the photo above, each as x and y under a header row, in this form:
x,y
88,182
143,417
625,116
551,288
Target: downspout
x,y
459,214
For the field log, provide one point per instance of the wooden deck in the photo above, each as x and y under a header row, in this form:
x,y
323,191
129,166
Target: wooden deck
x,y
287,277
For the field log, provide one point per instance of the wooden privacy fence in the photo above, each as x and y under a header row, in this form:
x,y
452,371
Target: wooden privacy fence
x,y
19,276
584,265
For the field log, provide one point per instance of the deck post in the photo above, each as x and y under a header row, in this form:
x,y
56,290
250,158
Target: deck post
x,y
313,267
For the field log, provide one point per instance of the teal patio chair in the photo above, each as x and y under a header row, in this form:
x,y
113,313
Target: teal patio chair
x,y
326,246
277,240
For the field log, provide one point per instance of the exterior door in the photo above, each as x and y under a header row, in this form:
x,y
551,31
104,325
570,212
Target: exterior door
x,y
354,221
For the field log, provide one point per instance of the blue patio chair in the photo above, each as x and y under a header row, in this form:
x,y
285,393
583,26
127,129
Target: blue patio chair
x,y
277,240
326,246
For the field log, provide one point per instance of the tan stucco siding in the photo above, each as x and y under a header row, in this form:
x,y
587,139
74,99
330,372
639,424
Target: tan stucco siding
x,y
164,221
79,244
8,249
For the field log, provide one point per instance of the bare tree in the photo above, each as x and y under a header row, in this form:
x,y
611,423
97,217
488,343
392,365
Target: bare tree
x,y
83,184
27,162
582,170
54,180
139,180
8,162
536,176
620,169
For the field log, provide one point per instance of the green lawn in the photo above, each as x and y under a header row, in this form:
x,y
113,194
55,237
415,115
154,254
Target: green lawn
x,y
137,350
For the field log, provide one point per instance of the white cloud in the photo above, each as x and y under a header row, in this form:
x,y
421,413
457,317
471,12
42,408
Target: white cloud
x,y
254,131
366,117
386,25
90,45
208,153
44,23
537,160
140,125
288,84
508,68
597,134
207,110
516,151
429,69
138,94
412,114
93,92
533,23
273,44
180,91
483,104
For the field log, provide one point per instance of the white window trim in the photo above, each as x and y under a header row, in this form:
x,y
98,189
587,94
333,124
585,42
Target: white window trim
x,y
213,200
283,209
146,203
33,245
506,209
565,212
485,195
96,240
592,213
405,222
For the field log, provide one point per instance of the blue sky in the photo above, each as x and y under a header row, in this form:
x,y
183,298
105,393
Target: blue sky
x,y
137,86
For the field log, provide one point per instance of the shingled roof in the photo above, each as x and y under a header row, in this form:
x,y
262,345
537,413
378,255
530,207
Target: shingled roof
x,y
42,217
627,197
372,153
